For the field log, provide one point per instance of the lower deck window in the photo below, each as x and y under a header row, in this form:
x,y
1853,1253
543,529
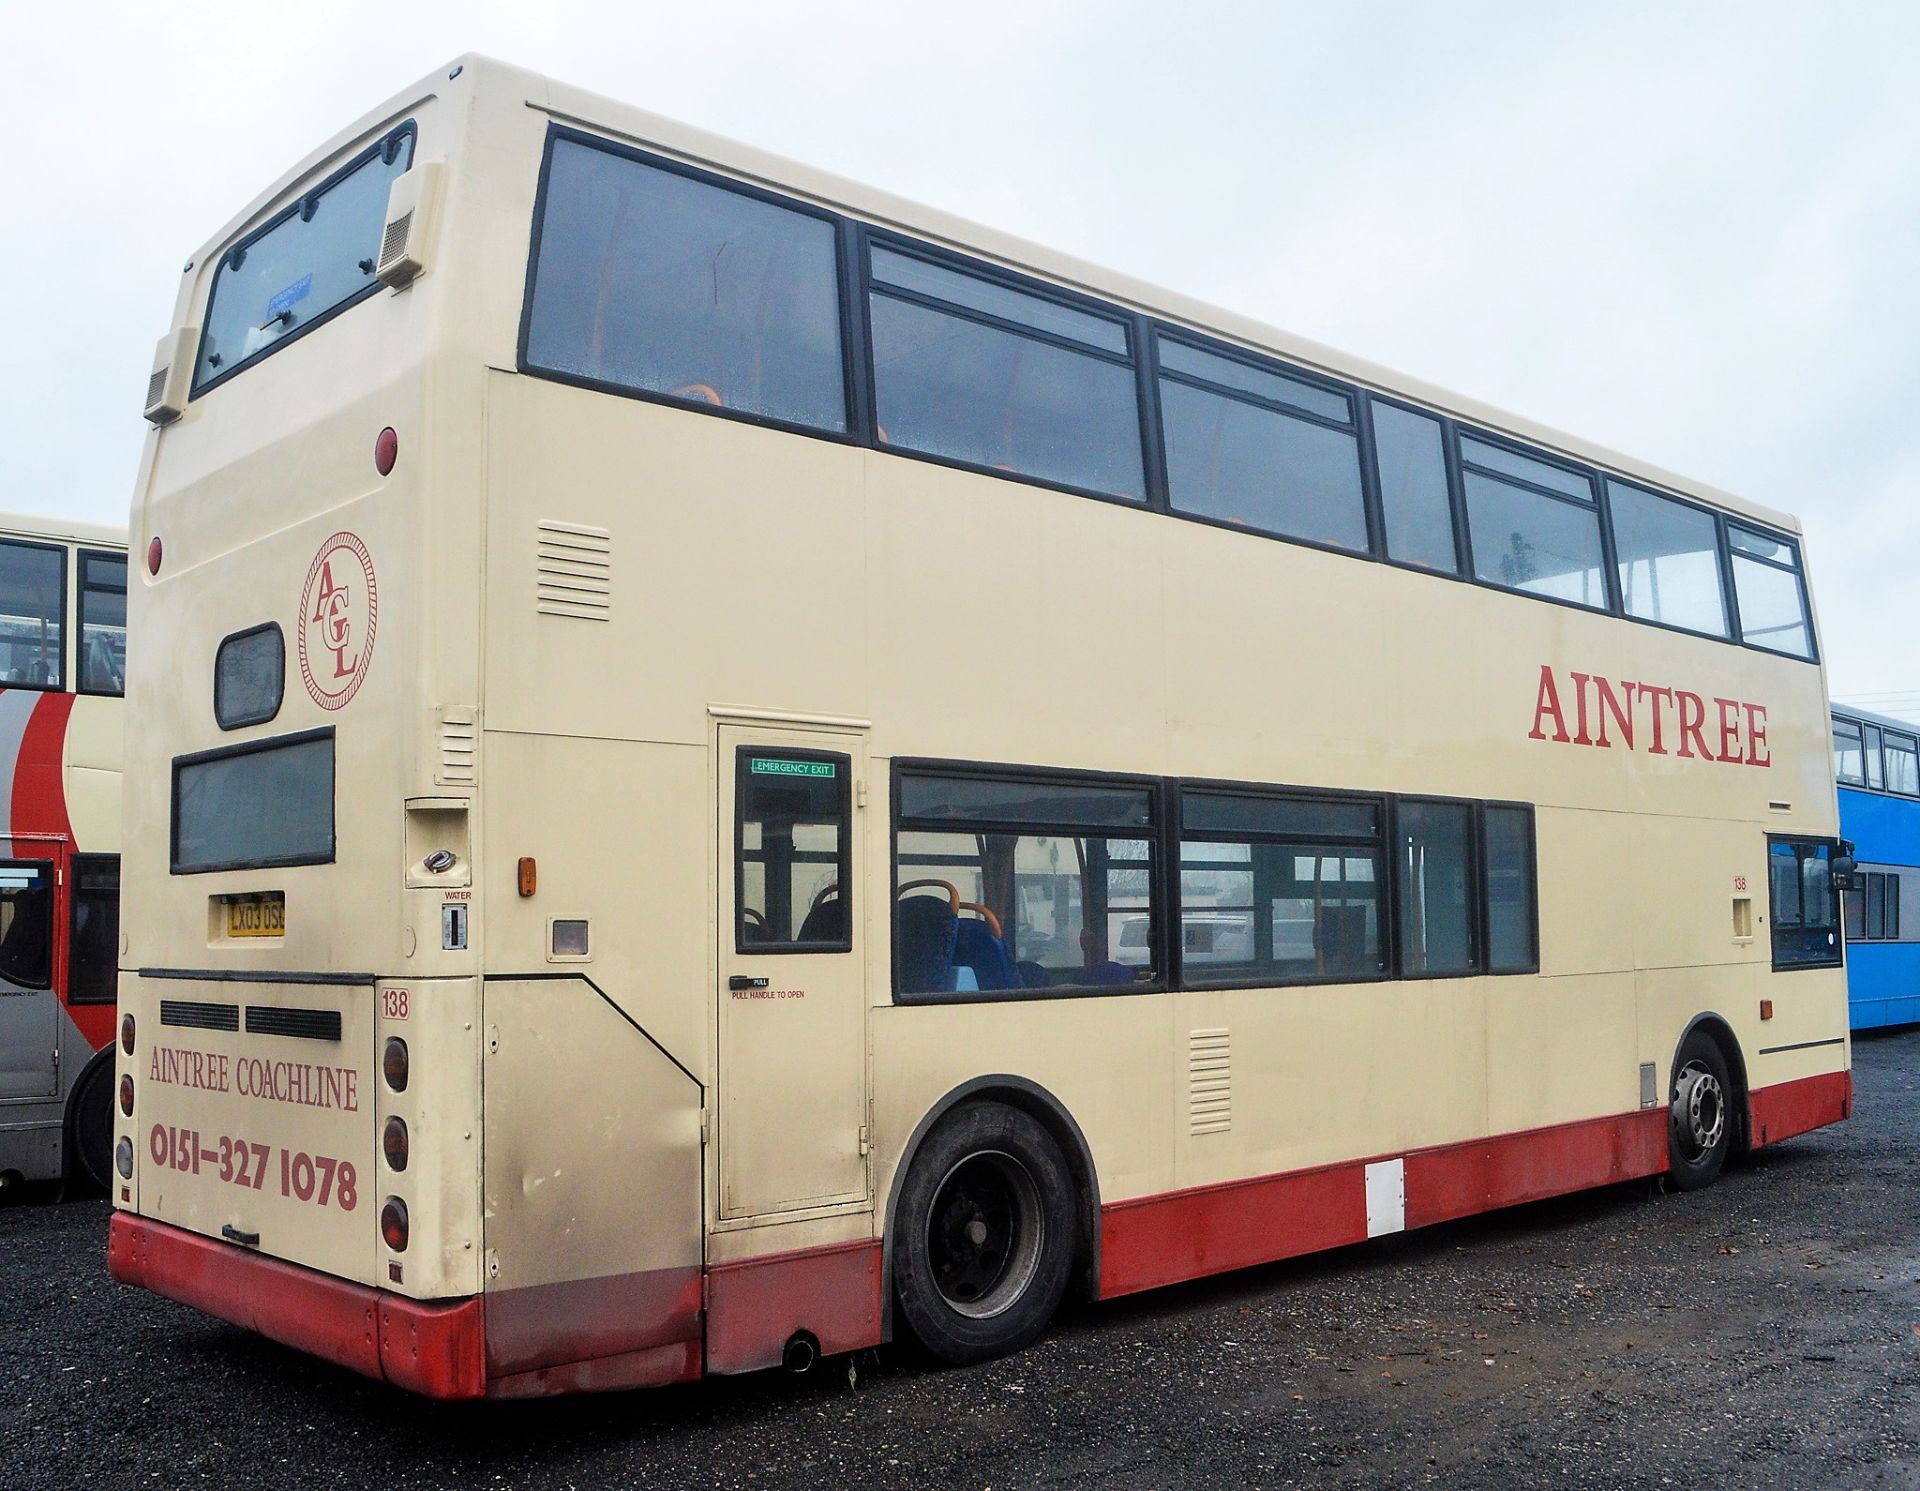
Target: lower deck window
x,y
256,806
1873,910
1806,913
26,924
94,951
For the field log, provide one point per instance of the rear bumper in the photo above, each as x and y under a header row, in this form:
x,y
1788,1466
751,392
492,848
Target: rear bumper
x,y
438,1350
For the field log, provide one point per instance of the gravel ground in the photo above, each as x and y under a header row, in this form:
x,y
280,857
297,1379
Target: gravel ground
x,y
1765,1332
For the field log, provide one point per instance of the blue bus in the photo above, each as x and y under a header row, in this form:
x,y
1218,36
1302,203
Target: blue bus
x,y
1876,761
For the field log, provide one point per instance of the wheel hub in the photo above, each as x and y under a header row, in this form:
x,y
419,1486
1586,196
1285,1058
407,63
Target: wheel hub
x,y
1699,1110
984,1232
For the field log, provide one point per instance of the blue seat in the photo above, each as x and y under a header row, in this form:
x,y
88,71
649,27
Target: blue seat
x,y
924,928
977,948
1109,975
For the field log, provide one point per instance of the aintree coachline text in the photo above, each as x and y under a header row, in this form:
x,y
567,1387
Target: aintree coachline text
x,y
295,1082
1648,717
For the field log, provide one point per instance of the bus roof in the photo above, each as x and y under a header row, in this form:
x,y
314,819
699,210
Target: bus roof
x,y
31,525
577,106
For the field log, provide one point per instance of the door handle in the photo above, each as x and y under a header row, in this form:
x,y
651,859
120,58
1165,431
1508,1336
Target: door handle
x,y
745,981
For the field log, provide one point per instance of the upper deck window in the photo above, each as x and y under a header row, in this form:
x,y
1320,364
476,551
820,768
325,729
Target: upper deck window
x,y
1411,456
1534,525
33,583
310,260
978,371
1848,765
1903,764
1253,446
1669,560
656,281
1766,583
103,623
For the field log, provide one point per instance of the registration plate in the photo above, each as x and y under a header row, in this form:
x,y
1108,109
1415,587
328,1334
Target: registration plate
x,y
263,915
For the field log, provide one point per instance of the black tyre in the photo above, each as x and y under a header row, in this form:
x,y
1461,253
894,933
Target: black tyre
x,y
984,1234
1701,1115
90,1124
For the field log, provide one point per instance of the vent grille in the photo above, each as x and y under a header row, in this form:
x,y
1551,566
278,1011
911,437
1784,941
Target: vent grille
x,y
199,1015
395,241
1209,1082
575,572
456,748
310,1025
157,386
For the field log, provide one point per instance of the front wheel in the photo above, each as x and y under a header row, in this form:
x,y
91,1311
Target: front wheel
x,y
984,1234
1700,1113
90,1123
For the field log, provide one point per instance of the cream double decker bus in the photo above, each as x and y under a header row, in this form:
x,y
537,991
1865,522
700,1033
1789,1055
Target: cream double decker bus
x,y
733,769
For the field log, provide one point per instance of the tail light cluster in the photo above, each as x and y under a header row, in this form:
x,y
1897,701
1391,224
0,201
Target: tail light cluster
x,y
395,1067
123,1151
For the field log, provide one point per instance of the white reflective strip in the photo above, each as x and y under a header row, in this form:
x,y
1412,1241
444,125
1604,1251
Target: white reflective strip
x,y
16,708
1386,1197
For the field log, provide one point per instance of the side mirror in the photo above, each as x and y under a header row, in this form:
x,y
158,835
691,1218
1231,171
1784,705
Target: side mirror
x,y
1844,872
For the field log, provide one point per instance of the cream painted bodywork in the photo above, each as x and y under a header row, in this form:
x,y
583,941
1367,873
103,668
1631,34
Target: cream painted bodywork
x,y
811,585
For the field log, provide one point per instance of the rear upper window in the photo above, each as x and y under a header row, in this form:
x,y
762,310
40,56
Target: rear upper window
x,y
256,806
312,259
657,281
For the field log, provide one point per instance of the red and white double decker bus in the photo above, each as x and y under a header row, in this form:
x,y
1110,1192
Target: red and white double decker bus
x,y
63,652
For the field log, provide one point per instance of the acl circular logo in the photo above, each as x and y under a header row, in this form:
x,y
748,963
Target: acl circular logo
x,y
338,611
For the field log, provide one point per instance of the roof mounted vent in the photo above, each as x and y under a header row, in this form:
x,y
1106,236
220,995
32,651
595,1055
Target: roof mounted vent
x,y
172,366
413,208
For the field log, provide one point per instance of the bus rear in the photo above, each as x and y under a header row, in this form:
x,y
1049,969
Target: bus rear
x,y
299,978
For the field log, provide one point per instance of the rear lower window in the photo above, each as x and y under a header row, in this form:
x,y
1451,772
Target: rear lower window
x,y
312,259
255,807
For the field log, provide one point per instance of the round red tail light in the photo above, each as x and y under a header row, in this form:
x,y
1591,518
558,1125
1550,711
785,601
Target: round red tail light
x,y
393,1224
126,1096
393,1141
386,450
393,1063
153,556
126,1034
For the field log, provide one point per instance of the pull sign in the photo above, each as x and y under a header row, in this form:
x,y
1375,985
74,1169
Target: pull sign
x,y
453,928
743,981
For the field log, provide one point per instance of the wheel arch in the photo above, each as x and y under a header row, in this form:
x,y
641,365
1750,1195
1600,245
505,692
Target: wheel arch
x,y
1029,1097
70,1105
1716,1025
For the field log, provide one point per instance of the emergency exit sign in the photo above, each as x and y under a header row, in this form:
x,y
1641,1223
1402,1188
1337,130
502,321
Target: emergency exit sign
x,y
761,766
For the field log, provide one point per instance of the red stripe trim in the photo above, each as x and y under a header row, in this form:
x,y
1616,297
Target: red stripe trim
x,y
755,1307
39,803
1788,1108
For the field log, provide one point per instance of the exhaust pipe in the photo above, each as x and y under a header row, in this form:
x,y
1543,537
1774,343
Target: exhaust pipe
x,y
800,1352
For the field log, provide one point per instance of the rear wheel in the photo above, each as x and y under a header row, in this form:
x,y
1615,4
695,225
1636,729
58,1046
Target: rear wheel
x,y
1700,1113
984,1234
90,1123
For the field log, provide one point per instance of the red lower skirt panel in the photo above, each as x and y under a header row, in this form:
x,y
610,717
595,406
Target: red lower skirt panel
x,y
1789,1108
755,1307
1154,1240
438,1350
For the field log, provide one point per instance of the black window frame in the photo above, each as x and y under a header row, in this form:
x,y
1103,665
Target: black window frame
x,y
1476,888
843,792
242,722
1839,723
852,393
1153,832
1909,745
1380,842
75,864
1798,569
390,141
1795,965
57,685
248,748
1485,901
855,238
81,590
1152,468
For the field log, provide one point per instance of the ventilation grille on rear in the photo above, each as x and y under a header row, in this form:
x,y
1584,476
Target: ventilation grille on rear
x,y
395,241
199,1015
456,748
1209,1082
311,1025
157,386
575,572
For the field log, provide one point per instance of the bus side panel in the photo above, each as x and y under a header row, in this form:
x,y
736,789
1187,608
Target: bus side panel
x,y
593,1197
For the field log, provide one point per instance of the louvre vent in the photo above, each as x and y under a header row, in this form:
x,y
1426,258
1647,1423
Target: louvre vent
x,y
456,748
395,242
157,387
198,1015
1209,1082
575,572
311,1025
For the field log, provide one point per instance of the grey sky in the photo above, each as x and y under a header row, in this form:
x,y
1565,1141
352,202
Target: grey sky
x,y
1690,232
